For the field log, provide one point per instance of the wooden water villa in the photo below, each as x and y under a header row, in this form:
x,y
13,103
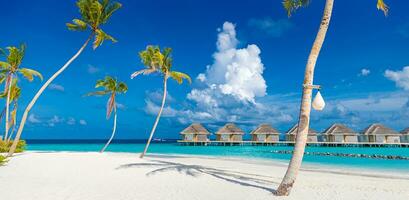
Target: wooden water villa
x,y
340,133
230,133
378,133
405,135
265,133
292,133
195,133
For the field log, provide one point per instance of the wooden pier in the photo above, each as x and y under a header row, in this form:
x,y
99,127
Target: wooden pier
x,y
291,143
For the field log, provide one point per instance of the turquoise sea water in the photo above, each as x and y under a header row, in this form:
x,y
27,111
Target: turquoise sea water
x,y
263,152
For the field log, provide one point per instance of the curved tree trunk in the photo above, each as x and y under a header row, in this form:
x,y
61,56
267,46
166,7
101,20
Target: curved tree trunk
x,y
165,79
304,118
38,94
9,83
14,125
112,135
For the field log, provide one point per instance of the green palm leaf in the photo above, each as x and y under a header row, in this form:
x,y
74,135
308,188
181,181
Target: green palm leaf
x,y
30,74
122,87
100,37
78,25
179,76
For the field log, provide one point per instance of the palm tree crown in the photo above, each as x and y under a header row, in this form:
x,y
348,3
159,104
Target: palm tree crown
x,y
110,87
159,61
12,65
292,5
94,13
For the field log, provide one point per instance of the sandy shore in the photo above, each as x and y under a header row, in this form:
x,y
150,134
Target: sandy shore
x,y
117,176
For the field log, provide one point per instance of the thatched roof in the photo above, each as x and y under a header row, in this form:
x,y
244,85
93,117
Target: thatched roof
x,y
405,131
265,129
379,129
293,130
339,129
230,128
195,128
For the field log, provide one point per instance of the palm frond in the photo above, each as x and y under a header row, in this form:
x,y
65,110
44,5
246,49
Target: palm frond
x,y
179,76
144,72
382,6
100,37
2,52
77,25
4,65
122,87
30,74
96,12
97,93
292,5
110,8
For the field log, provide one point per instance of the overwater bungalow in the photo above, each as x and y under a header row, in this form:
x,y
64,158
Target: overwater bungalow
x,y
265,133
229,133
339,133
195,133
378,133
292,133
405,135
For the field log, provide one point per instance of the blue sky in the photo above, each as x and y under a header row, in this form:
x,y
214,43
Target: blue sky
x,y
361,66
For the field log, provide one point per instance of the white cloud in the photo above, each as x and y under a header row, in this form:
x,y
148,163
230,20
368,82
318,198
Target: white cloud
x,y
71,121
120,106
56,87
401,78
55,120
93,70
235,72
33,119
153,109
273,28
83,122
364,72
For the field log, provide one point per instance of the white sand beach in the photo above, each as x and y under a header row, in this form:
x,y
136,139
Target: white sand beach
x,y
122,176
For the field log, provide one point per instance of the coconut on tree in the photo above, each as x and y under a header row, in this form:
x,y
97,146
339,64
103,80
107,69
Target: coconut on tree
x,y
94,14
10,69
304,117
159,61
110,87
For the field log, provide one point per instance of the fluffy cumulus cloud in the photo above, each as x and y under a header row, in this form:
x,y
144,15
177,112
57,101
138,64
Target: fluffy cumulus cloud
x,y
364,72
272,28
236,72
401,78
56,87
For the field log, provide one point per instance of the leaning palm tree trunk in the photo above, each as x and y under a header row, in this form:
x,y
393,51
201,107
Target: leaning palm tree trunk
x,y
113,133
9,83
14,125
33,101
304,118
165,79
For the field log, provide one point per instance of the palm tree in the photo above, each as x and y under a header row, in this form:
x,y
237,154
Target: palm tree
x,y
94,13
111,88
160,62
14,96
304,118
10,68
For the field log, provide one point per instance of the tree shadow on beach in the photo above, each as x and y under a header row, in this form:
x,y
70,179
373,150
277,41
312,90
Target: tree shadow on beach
x,y
243,179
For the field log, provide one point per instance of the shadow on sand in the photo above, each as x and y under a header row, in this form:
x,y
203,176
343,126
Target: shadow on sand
x,y
243,179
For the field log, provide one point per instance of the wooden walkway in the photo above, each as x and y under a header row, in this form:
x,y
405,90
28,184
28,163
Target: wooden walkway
x,y
291,143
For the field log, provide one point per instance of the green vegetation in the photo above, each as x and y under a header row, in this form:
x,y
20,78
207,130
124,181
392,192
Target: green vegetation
x,y
111,88
157,61
5,146
2,160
